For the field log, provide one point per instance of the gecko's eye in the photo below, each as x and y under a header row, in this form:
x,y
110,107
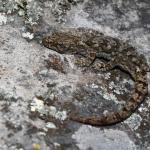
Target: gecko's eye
x,y
61,47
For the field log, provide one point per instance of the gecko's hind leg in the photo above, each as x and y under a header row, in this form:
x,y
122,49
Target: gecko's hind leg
x,y
85,61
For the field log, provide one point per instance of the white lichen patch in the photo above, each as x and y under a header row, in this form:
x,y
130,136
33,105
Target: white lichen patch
x,y
28,35
120,88
61,115
116,88
143,108
50,125
94,86
107,75
34,11
3,19
37,105
107,95
110,96
127,81
103,91
56,144
134,121
21,13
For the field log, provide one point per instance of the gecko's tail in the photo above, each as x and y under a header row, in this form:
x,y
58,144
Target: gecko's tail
x,y
138,95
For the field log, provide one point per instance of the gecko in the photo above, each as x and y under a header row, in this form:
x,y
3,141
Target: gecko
x,y
88,45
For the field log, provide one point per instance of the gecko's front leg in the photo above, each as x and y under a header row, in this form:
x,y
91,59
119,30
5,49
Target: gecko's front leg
x,y
102,66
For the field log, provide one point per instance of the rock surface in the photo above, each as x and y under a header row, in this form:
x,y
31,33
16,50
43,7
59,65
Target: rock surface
x,y
40,88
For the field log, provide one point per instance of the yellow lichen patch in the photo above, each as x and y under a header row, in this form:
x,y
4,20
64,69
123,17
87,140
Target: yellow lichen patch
x,y
36,147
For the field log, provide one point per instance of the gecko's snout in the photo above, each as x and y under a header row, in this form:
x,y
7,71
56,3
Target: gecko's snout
x,y
50,43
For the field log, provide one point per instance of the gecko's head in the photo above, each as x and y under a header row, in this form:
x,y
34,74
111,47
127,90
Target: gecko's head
x,y
58,42
53,43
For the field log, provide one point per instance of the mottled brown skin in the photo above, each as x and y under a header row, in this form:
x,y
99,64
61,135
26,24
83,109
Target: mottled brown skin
x,y
90,45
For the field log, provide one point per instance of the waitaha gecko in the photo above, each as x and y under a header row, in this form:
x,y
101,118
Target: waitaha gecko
x,y
90,45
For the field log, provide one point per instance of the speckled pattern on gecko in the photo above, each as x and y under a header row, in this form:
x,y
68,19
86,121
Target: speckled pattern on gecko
x,y
90,45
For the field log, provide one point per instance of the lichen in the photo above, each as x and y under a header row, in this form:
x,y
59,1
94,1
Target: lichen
x,y
50,125
134,121
59,8
38,105
3,19
28,35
